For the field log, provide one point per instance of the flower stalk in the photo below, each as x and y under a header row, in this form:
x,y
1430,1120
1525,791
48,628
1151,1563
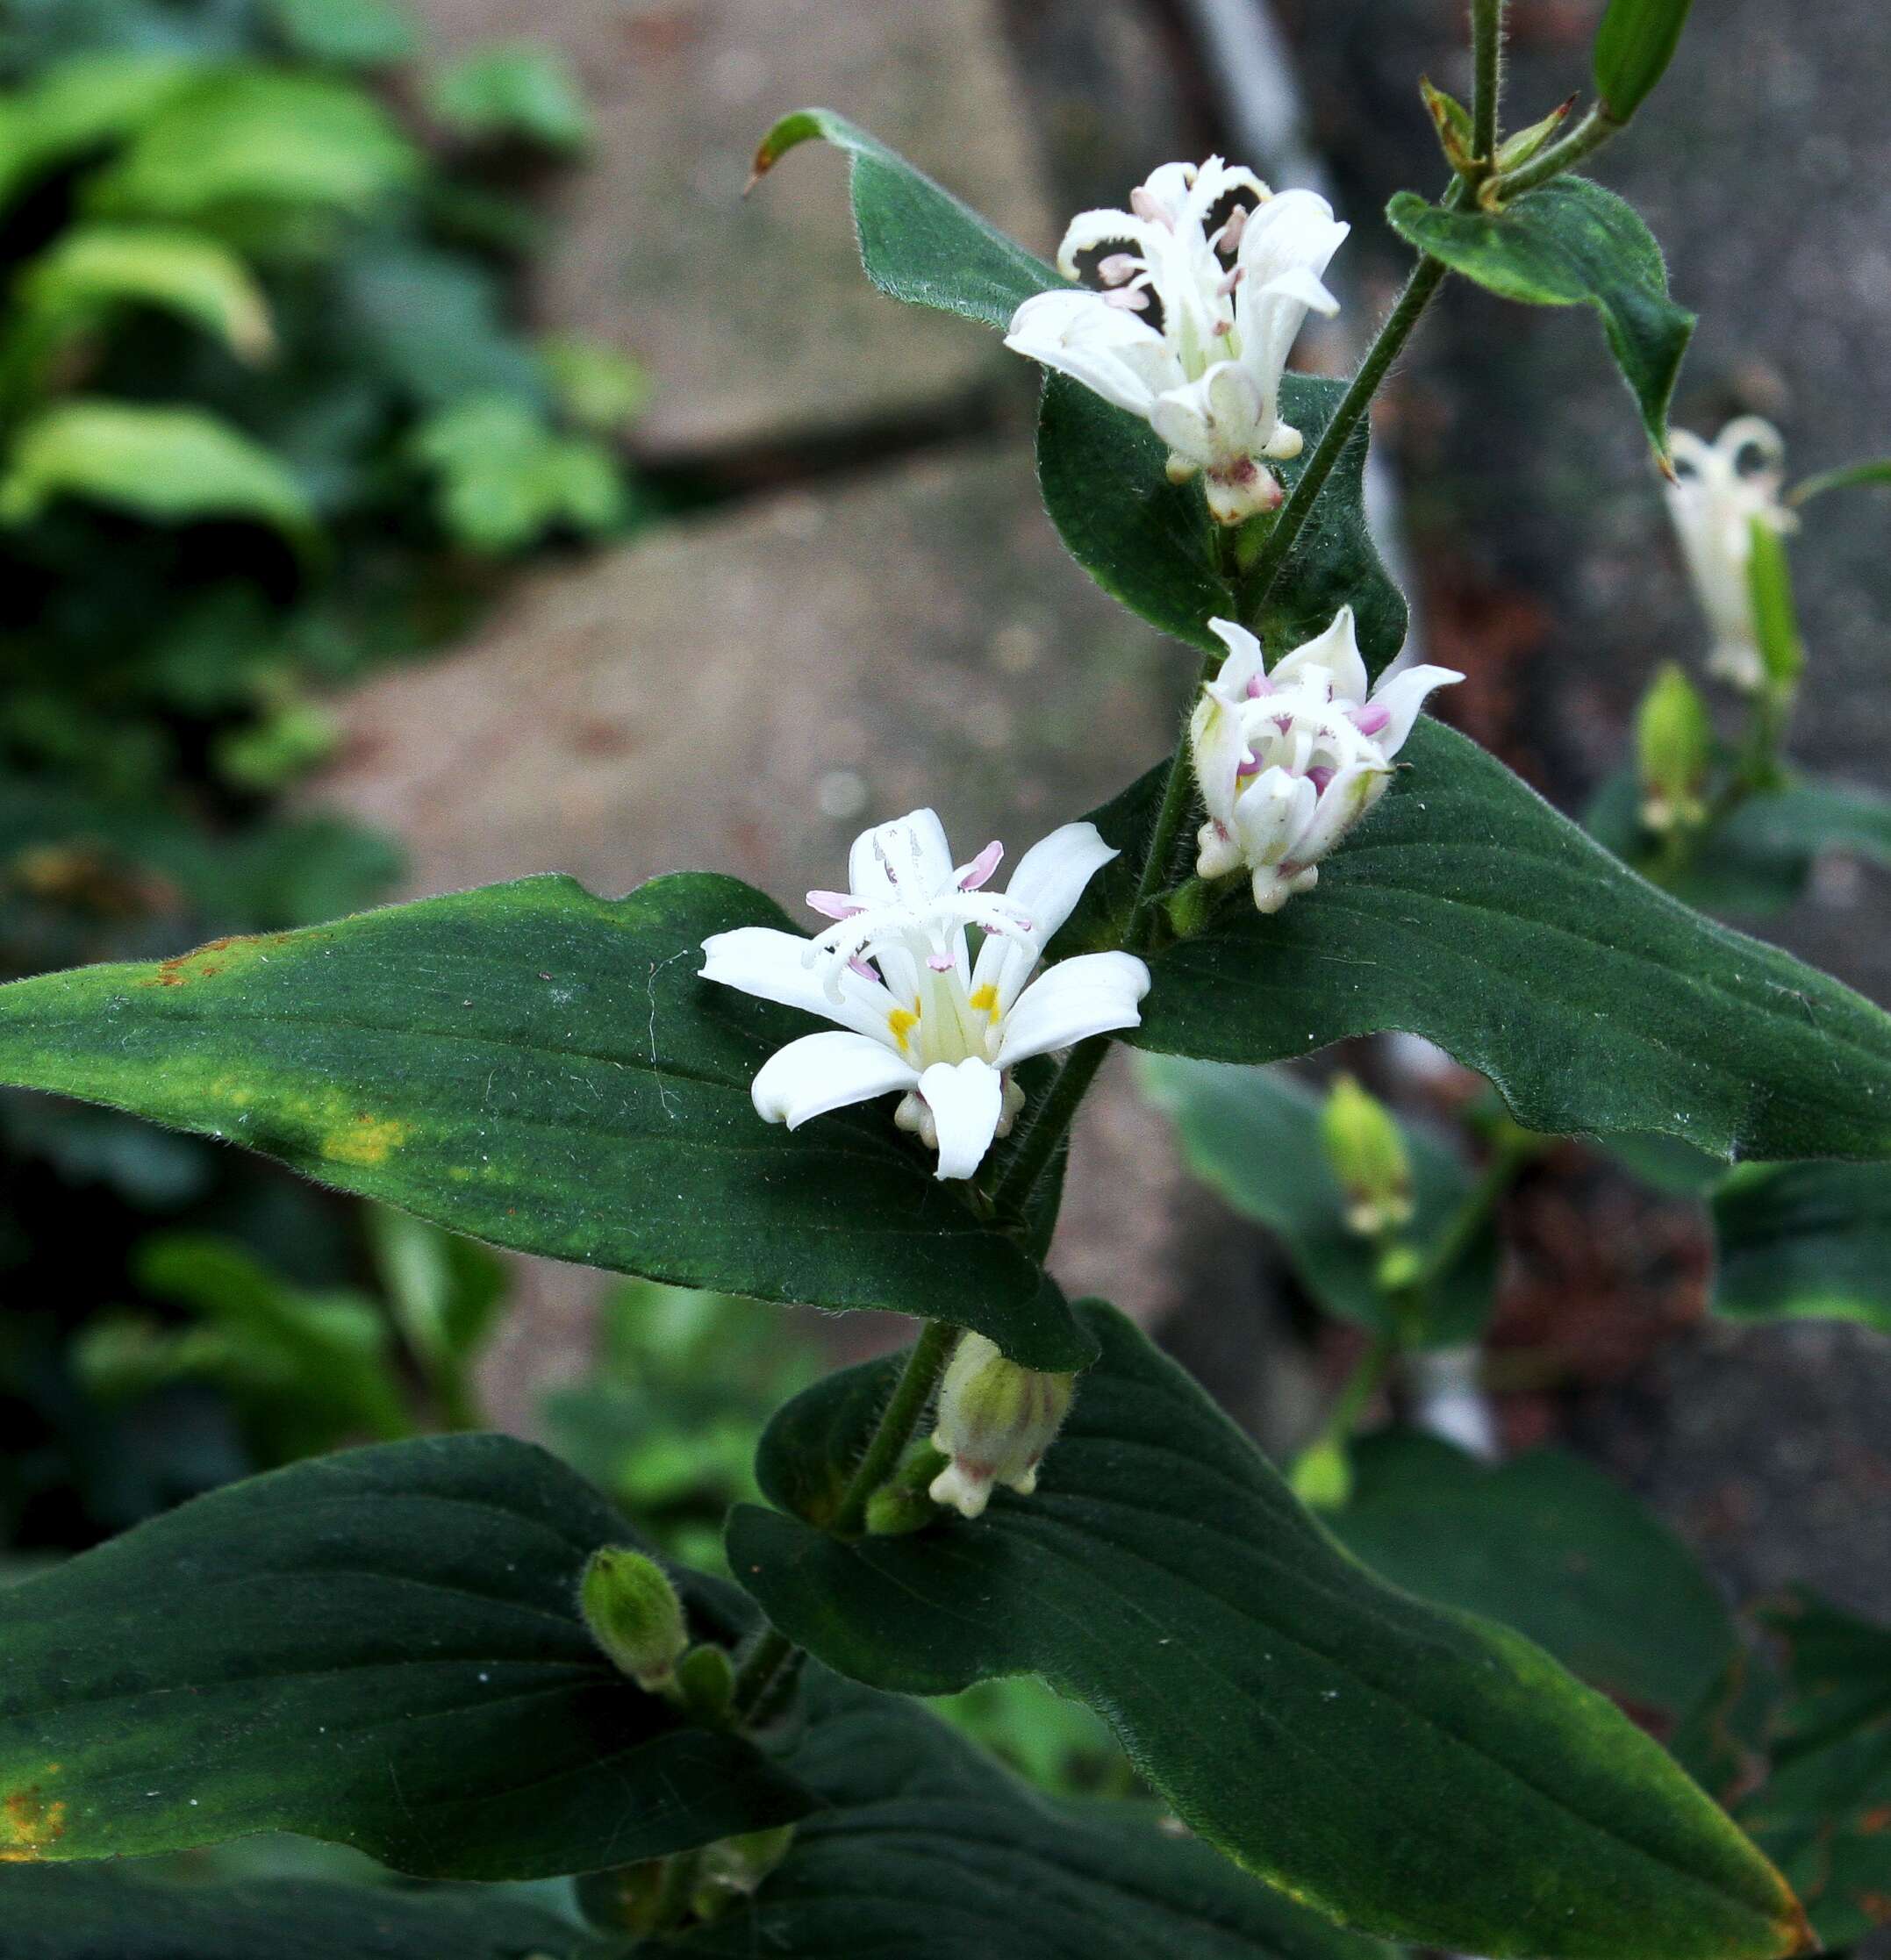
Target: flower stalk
x,y
1486,61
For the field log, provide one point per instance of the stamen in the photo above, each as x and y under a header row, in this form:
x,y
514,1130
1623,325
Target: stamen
x,y
835,905
860,966
1372,718
1320,777
1228,284
940,962
1119,269
1258,686
1131,299
981,867
1229,235
1143,202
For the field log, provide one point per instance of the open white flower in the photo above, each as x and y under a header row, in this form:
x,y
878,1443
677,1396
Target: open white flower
x,y
1288,762
1720,489
919,1012
1204,283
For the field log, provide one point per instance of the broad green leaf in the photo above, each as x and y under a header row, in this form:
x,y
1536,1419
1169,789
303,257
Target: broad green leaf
x,y
97,268
541,1069
251,138
1466,910
1757,860
80,105
1570,243
381,1649
1152,545
1254,1135
1633,47
525,91
351,33
171,465
1549,1545
1417,1772
1805,1241
73,1914
916,241
1824,1811
928,1848
506,477
1855,475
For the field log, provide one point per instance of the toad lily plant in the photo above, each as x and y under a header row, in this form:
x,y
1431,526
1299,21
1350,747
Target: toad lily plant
x,y
1202,286
1720,491
1288,762
919,1012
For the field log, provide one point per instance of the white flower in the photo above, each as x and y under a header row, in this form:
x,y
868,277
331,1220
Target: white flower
x,y
1720,488
919,1013
995,1422
1288,762
1205,282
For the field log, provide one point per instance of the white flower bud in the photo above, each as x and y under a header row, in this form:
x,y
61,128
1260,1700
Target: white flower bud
x,y
996,1420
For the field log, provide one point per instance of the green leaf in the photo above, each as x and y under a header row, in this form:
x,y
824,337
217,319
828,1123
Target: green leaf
x,y
1549,1545
171,465
1805,1241
929,1847
1417,1772
527,90
916,241
1855,475
1152,545
543,1069
506,478
1758,860
1468,911
1570,243
82,104
97,268
254,136
1825,1810
351,33
74,1913
1254,1135
381,1649
1633,47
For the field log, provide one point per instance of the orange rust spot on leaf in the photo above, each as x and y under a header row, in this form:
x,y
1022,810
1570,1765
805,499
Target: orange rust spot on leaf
x,y
1876,1819
203,962
1875,1905
33,1825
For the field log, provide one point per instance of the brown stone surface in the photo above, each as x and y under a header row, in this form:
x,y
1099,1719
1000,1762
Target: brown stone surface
x,y
745,693
752,315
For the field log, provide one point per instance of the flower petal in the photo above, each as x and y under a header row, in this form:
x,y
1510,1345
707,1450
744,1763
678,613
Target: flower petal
x,y
1076,999
825,1072
1341,803
771,965
906,860
1050,878
1107,348
966,1099
1245,660
1402,696
1337,650
1272,813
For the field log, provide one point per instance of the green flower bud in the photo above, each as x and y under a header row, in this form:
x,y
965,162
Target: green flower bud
x,y
1674,747
705,1685
996,1420
735,1868
1321,1476
622,1900
633,1613
1365,1150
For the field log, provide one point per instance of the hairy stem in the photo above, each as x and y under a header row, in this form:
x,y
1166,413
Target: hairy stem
x,y
898,1420
1426,276
760,1671
1487,57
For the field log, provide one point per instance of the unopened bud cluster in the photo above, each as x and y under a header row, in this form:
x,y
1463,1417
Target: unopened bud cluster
x,y
1674,751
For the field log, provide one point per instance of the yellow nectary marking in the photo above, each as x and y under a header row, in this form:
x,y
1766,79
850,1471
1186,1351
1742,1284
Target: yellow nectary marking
x,y
902,1020
984,999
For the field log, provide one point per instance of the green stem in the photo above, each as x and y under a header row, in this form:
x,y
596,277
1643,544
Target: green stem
x,y
1426,275
1595,129
760,1671
1011,1194
1354,1397
676,1889
897,1424
1487,56
1479,1202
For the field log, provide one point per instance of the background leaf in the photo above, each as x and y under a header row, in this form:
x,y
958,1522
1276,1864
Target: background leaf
x,y
916,241
1151,544
1549,1545
351,33
1805,1241
1420,1773
544,1069
84,1914
1853,475
1468,911
524,90
381,1648
1253,1135
1570,243
172,465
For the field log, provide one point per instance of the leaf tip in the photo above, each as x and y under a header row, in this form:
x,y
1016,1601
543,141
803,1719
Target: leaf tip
x,y
799,127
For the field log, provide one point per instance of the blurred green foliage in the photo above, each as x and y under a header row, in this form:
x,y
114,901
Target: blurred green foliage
x,y
267,420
